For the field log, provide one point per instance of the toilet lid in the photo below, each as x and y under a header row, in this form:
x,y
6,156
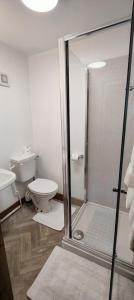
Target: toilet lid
x,y
43,186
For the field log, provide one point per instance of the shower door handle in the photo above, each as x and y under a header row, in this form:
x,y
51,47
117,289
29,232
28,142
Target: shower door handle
x,y
131,88
122,191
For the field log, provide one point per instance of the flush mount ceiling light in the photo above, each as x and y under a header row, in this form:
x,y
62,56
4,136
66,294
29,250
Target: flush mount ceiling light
x,y
97,65
40,5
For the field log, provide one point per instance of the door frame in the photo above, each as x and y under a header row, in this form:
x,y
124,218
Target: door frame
x,y
128,89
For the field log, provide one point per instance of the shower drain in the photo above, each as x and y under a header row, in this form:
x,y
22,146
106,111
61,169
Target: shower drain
x,y
78,235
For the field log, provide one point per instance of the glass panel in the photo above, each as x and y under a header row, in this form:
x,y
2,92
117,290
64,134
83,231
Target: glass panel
x,y
93,225
123,287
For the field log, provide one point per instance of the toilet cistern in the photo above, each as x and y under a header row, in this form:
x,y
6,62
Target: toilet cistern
x,y
40,190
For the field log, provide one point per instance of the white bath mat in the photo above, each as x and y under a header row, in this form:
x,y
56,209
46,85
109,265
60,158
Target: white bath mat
x,y
67,276
55,218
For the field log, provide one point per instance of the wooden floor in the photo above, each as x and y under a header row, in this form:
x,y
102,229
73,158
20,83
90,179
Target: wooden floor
x,y
28,245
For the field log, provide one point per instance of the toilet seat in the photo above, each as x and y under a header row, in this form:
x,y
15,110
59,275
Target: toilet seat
x,y
43,186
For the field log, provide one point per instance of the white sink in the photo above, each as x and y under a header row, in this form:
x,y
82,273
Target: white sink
x,y
6,178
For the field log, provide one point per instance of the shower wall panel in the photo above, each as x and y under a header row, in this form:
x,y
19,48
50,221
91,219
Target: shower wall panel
x,y
106,102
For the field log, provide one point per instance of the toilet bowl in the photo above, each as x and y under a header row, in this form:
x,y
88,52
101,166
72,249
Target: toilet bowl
x,y
41,191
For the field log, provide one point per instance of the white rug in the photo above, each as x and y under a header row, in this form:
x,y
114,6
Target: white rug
x,y
67,276
55,218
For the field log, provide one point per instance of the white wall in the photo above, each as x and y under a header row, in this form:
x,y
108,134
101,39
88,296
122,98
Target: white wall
x,y
77,124
105,123
46,120
106,104
15,115
45,104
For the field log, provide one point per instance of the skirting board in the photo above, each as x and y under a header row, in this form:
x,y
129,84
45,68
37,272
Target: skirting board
x,y
16,205
75,201
10,209
5,213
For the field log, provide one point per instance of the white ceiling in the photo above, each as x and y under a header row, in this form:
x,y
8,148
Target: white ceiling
x,y
103,45
33,32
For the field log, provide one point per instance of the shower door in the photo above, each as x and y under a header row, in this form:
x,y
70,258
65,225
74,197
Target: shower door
x,y
118,285
92,122
92,104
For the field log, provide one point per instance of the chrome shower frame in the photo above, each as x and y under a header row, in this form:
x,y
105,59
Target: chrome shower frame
x,y
68,241
65,118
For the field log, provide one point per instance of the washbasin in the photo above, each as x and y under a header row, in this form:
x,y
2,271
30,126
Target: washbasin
x,y
6,178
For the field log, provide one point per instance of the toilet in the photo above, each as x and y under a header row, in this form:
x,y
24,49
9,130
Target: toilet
x,y
40,190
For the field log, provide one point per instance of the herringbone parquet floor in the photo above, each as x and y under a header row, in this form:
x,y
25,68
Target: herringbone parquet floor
x,y
28,245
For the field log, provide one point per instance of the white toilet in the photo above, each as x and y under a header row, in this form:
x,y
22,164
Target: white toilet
x,y
40,190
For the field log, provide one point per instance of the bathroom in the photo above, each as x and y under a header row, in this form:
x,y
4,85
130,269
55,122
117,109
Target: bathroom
x,y
33,124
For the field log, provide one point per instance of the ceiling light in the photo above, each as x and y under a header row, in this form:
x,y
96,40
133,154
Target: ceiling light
x,y
40,5
97,65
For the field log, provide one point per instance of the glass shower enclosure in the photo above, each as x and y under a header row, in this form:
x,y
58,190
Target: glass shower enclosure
x,y
93,98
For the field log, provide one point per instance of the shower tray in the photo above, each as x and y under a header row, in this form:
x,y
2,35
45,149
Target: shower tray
x,y
97,238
